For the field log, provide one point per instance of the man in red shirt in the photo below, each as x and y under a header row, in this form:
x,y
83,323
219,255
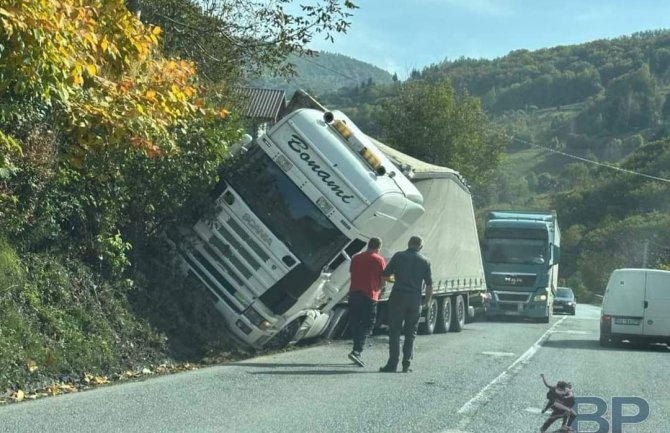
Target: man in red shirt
x,y
366,282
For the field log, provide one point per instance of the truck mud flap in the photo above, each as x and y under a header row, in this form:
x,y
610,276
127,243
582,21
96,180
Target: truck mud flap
x,y
339,323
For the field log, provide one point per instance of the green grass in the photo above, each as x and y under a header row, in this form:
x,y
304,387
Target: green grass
x,y
58,315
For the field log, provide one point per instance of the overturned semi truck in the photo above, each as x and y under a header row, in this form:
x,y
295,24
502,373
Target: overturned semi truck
x,y
299,202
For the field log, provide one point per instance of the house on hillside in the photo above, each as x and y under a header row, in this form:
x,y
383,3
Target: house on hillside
x,y
261,108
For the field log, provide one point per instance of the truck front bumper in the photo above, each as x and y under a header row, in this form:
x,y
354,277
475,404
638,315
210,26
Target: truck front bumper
x,y
523,309
241,329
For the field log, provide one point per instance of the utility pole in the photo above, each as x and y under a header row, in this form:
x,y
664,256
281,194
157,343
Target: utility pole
x,y
646,253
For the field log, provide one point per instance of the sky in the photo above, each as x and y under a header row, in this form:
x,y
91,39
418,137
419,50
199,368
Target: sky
x,y
402,35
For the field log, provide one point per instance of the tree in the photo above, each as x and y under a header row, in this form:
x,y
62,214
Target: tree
x,y
105,134
434,123
226,38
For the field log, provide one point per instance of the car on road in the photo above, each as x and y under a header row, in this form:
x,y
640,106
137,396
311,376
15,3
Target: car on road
x,y
565,301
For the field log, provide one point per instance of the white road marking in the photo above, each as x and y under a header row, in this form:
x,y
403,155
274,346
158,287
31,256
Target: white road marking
x,y
533,410
489,390
498,353
569,331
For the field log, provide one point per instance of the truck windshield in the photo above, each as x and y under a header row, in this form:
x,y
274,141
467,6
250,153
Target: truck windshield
x,y
525,251
286,210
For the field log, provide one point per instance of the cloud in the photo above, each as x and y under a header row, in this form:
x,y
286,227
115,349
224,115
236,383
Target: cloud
x,y
481,7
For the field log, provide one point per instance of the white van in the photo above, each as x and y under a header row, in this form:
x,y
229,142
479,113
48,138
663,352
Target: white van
x,y
636,307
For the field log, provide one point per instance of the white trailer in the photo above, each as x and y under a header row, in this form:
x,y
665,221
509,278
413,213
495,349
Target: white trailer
x,y
451,243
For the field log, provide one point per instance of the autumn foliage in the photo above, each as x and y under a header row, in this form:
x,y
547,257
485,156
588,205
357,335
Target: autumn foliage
x,y
96,119
100,65
104,142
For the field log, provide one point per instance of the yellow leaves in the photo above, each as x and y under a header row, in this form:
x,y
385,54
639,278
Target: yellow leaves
x,y
32,366
104,44
60,388
19,395
151,96
6,13
130,89
76,75
89,379
91,69
92,40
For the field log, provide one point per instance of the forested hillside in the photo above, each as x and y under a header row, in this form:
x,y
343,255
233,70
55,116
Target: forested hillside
x,y
324,72
565,114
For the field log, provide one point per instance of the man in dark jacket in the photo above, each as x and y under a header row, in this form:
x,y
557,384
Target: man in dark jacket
x,y
411,271
366,282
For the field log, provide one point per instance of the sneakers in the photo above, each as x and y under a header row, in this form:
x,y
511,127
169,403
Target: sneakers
x,y
356,358
387,369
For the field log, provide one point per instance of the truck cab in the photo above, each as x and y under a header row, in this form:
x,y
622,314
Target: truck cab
x,y
289,214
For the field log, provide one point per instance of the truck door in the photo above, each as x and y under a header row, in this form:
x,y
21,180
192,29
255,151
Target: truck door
x,y
625,302
657,303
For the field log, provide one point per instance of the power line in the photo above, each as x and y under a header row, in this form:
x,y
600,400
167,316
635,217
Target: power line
x,y
590,161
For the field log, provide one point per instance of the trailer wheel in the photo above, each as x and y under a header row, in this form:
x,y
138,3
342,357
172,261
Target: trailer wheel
x,y
443,315
428,326
458,315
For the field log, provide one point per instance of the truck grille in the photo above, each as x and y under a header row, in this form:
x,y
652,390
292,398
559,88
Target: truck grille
x,y
223,240
513,297
248,240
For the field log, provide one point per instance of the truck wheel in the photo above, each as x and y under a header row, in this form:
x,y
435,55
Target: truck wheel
x,y
604,341
458,314
546,319
282,338
428,326
443,315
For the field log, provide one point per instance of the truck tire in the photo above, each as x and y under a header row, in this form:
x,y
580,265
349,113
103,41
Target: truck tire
x,y
285,336
548,317
428,326
604,341
443,315
458,314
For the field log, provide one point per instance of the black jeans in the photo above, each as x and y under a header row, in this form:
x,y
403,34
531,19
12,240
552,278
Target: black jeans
x,y
557,414
404,312
362,314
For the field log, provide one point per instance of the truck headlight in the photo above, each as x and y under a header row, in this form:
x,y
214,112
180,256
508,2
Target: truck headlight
x,y
255,318
539,298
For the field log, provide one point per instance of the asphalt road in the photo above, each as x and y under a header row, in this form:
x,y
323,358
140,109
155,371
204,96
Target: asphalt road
x,y
484,379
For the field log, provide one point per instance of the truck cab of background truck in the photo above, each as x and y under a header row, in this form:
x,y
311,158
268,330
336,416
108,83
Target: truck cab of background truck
x,y
521,254
288,215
